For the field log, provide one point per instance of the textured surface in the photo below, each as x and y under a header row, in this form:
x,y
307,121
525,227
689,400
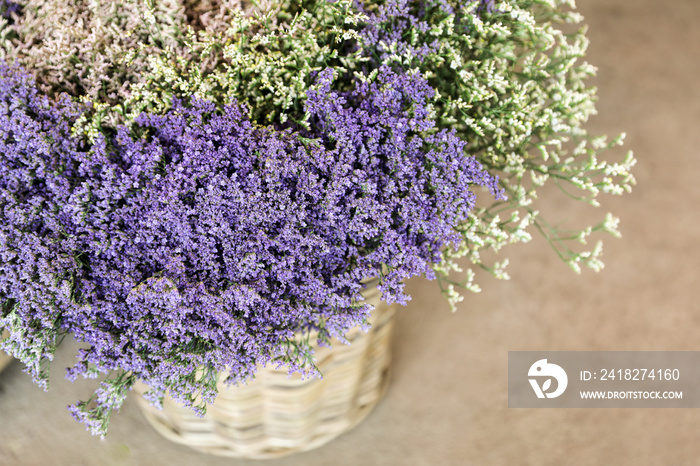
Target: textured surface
x,y
276,415
447,404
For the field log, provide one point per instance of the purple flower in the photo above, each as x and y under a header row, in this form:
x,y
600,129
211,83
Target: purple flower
x,y
197,242
8,8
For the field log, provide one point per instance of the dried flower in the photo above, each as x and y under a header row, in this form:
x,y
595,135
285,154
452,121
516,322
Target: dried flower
x,y
198,241
191,186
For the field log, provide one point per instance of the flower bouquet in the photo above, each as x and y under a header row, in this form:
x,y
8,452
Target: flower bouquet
x,y
197,189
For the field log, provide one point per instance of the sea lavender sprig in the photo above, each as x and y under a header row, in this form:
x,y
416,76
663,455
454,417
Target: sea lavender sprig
x,y
79,46
195,242
9,8
37,158
126,58
513,85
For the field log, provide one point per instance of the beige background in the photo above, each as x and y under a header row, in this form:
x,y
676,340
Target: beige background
x,y
448,401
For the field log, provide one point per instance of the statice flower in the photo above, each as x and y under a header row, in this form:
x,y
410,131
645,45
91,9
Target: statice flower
x,y
419,189
512,84
38,161
9,8
196,242
94,49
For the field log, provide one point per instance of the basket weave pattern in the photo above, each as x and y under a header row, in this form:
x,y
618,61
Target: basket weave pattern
x,y
275,415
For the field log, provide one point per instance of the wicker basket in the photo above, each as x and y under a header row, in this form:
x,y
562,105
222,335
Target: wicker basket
x,y
5,358
276,415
